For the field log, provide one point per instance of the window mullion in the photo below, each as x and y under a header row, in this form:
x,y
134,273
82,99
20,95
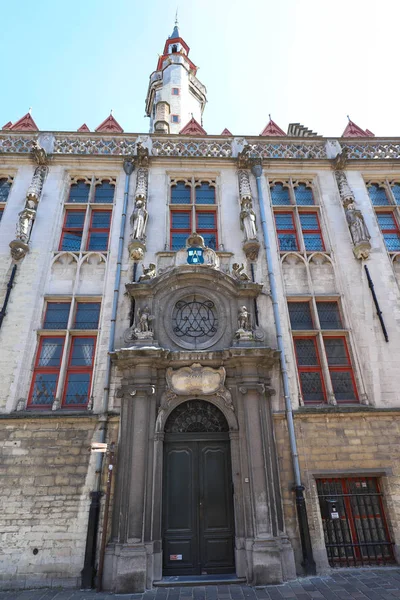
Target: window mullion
x,y
63,369
299,231
86,226
325,370
292,195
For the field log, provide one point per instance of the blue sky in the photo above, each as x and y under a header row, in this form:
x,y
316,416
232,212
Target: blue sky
x,y
307,61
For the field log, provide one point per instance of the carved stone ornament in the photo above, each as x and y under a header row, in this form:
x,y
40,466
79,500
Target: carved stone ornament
x,y
244,332
139,221
244,157
354,217
141,184
340,160
148,272
251,249
39,154
141,330
196,380
142,155
136,250
239,273
244,185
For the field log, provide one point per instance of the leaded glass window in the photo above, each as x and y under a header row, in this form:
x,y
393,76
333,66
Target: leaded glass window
x,y
329,315
300,315
303,195
378,195
57,314
280,194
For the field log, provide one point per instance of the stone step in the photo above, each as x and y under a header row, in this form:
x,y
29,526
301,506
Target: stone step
x,y
196,580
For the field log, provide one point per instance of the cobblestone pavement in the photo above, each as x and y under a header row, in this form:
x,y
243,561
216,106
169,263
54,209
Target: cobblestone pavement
x,y
358,584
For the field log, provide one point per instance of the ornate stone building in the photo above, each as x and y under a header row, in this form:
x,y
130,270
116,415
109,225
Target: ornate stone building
x,y
221,315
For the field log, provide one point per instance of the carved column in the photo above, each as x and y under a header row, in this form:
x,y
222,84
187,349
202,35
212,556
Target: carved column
x,y
139,216
20,245
355,220
251,245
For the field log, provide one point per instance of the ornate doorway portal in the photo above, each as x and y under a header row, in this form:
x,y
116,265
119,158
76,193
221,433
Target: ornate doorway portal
x,y
198,517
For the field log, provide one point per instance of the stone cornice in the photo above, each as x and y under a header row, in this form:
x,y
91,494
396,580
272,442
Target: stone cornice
x,y
204,147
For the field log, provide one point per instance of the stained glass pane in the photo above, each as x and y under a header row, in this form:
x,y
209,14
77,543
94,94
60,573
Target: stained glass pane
x,y
336,351
313,242
386,221
51,352
82,352
300,315
392,241
87,315
284,221
44,388
98,241
210,240
56,315
396,192
179,240
101,219
343,386
205,194
104,193
180,193
280,195
77,388
311,386
79,192
303,194
5,187
180,220
309,221
71,241
205,221
329,315
75,219
287,241
378,195
306,352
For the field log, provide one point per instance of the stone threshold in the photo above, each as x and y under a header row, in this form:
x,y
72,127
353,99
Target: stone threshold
x,y
199,580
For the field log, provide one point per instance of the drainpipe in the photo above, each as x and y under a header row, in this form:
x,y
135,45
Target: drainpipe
x,y
88,572
308,561
7,297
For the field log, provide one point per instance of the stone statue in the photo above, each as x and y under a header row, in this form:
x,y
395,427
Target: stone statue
x,y
24,224
237,272
148,272
244,319
358,229
139,220
143,319
248,220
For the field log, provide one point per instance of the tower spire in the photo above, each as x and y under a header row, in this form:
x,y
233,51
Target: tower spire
x,y
175,33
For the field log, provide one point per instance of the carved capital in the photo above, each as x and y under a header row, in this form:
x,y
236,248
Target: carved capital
x,y
18,249
136,250
362,250
256,387
143,390
251,249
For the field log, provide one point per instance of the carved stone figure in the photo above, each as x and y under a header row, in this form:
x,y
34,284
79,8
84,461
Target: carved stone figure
x,y
39,153
244,319
237,272
141,330
24,224
139,220
340,160
148,272
248,220
142,155
143,319
358,229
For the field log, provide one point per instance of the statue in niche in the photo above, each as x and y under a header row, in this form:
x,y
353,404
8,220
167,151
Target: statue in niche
x,y
355,220
248,220
24,224
139,220
148,272
244,319
238,272
143,320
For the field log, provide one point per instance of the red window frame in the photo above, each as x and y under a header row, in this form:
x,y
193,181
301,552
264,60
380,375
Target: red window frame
x,y
37,370
177,119
202,230
78,369
395,229
283,231
312,231
311,368
49,302
66,229
98,230
344,368
173,230
175,91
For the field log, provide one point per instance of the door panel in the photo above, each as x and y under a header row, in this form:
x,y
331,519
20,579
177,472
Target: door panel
x,y
198,527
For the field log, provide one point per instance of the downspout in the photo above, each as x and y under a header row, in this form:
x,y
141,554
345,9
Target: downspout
x,y
7,296
308,561
88,572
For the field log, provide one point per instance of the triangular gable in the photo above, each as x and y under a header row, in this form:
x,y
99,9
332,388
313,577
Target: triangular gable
x,y
110,125
226,132
353,130
193,128
83,127
272,129
26,123
7,125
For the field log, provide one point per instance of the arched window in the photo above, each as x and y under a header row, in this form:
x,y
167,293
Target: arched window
x,y
104,193
196,416
303,194
280,195
180,193
79,192
378,195
205,193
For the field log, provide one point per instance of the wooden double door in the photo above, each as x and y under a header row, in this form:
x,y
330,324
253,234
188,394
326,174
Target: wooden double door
x,y
198,518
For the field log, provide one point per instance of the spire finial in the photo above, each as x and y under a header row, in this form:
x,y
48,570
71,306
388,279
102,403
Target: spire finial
x,y
175,33
30,110
269,116
111,112
176,16
348,118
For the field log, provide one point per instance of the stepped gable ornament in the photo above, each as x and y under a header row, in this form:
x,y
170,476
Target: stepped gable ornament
x,y
354,217
20,245
198,381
